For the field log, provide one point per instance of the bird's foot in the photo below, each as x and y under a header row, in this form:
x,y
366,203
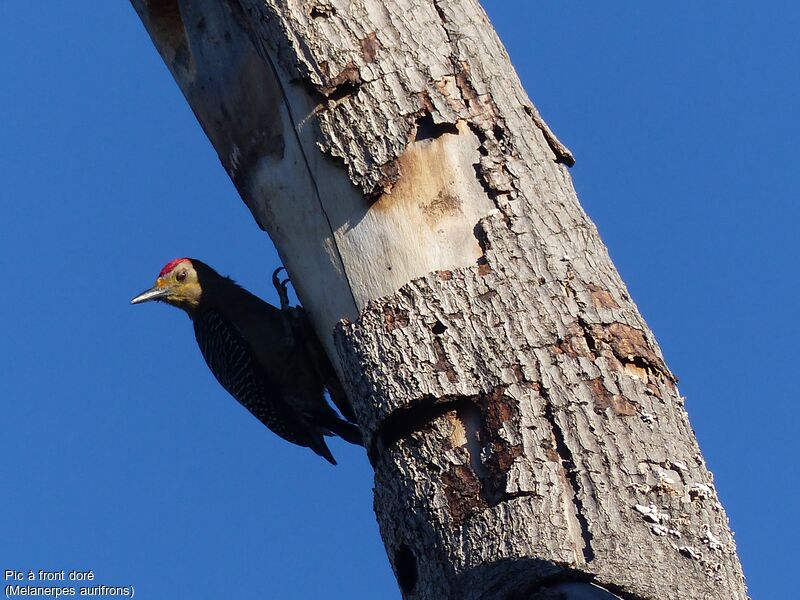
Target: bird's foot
x,y
289,315
280,286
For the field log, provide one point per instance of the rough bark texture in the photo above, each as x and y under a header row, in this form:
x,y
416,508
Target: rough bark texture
x,y
521,421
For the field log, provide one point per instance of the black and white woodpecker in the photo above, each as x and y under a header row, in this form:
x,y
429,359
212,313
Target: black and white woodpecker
x,y
269,359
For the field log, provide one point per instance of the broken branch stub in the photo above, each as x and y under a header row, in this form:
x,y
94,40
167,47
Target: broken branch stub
x,y
516,408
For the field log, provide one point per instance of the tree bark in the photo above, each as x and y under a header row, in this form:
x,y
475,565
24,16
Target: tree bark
x,y
525,432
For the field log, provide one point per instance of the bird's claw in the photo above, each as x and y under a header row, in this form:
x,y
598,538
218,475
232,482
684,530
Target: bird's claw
x,y
280,286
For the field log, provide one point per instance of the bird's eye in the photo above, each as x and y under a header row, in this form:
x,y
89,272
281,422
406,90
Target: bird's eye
x,y
181,276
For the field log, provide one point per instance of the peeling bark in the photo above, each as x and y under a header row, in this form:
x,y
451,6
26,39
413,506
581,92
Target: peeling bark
x,y
526,434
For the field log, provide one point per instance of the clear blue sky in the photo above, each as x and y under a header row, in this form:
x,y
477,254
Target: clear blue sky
x,y
122,455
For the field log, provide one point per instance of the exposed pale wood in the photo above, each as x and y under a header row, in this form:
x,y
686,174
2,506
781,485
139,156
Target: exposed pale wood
x,y
520,418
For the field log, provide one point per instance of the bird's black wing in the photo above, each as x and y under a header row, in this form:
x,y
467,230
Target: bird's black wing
x,y
233,363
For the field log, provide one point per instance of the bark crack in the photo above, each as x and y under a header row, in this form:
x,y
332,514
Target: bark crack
x,y
443,18
569,472
311,175
470,416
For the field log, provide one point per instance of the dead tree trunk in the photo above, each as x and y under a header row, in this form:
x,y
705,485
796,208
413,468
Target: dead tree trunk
x,y
521,421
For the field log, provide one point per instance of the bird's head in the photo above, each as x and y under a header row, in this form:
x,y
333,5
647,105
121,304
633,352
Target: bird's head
x,y
177,284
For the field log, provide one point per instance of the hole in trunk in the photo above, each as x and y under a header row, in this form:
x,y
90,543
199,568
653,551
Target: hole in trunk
x,y
427,129
169,33
405,565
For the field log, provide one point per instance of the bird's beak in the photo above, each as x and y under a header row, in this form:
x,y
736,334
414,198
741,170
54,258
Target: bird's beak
x,y
155,293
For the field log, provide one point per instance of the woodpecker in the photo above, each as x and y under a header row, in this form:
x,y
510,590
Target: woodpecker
x,y
267,358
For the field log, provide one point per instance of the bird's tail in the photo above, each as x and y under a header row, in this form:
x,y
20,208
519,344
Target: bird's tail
x,y
345,430
334,426
319,446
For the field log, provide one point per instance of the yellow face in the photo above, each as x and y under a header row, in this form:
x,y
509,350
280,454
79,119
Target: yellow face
x,y
177,284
